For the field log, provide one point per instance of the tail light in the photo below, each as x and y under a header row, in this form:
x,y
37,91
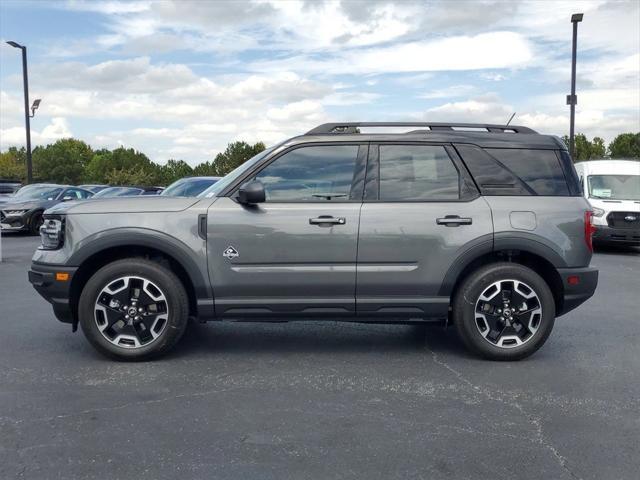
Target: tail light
x,y
589,229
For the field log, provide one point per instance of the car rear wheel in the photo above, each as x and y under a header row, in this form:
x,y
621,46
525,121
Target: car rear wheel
x,y
504,311
133,309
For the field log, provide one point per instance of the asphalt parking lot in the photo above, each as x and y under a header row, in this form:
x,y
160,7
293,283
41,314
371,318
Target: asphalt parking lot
x,y
321,400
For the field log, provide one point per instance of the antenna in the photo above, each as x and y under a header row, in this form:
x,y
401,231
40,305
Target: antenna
x,y
511,118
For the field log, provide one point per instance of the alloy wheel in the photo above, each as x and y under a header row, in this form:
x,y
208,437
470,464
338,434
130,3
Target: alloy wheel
x,y
131,312
508,313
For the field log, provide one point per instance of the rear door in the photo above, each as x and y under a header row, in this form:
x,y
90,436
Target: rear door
x,y
421,212
296,252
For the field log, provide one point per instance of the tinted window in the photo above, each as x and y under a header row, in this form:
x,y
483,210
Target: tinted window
x,y
75,193
311,174
539,169
417,172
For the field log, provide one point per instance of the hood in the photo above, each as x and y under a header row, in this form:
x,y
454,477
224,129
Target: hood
x,y
13,205
616,205
137,204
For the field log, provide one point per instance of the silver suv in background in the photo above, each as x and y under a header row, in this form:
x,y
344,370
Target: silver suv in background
x,y
484,226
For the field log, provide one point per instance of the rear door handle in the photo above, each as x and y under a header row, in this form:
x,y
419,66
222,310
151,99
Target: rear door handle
x,y
327,220
453,221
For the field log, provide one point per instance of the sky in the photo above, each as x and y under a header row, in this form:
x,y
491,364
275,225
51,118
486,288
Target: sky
x,y
182,78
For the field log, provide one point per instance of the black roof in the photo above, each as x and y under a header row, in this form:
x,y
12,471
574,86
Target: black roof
x,y
483,135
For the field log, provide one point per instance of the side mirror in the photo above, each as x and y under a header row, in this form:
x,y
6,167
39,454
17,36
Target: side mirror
x,y
68,198
251,192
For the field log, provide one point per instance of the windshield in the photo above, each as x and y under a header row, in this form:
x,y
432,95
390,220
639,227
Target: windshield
x,y
230,177
34,192
188,187
117,192
614,187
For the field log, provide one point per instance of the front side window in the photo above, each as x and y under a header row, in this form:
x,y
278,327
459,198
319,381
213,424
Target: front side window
x,y
417,173
311,174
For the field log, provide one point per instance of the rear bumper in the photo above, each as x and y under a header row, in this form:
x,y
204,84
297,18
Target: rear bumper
x,y
56,292
579,285
621,236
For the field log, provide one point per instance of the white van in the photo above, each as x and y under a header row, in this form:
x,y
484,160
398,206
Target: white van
x,y
613,189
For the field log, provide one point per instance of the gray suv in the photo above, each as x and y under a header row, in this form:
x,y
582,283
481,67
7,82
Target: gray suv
x,y
483,226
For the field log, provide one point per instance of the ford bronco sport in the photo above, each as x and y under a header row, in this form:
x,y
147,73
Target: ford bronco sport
x,y
483,226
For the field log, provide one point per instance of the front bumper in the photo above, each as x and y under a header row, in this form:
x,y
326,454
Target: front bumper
x,y
579,285
56,292
15,223
626,236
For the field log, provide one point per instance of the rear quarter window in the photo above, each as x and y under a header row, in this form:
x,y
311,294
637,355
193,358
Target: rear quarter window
x,y
540,170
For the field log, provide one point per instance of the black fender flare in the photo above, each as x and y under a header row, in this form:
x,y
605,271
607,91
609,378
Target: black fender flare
x,y
141,237
521,242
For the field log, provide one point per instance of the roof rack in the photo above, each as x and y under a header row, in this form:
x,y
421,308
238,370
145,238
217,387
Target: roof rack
x,y
353,127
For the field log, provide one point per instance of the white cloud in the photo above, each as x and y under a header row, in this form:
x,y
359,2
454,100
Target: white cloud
x,y
58,128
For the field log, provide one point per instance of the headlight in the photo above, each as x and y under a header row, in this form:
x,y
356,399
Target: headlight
x,y
15,213
52,233
597,212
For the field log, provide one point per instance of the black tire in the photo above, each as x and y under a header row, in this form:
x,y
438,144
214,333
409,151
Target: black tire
x,y
177,306
469,327
35,222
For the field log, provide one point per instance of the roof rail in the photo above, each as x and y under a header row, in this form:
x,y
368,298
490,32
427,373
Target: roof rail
x,y
353,127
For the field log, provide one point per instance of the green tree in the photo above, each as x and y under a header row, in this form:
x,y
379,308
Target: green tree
x,y
585,149
174,170
61,162
234,155
205,169
12,164
625,145
114,167
139,175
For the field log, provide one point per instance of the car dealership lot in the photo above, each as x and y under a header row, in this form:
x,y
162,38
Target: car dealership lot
x,y
321,400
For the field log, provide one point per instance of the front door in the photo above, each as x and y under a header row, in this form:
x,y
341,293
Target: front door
x,y
421,212
294,254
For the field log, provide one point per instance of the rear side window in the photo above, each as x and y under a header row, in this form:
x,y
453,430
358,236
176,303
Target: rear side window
x,y
417,172
540,170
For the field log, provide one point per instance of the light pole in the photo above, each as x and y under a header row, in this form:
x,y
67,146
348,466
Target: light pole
x,y
572,99
34,107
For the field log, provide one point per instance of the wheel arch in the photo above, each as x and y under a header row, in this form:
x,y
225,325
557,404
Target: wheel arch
x,y
101,250
540,259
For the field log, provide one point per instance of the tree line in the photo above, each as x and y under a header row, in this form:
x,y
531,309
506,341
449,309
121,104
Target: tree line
x,y
625,145
72,161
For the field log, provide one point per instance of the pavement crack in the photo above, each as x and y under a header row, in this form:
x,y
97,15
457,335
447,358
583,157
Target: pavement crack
x,y
533,420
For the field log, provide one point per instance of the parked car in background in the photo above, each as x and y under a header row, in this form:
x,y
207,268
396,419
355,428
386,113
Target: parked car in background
x,y
189,186
94,188
613,190
9,187
127,191
24,211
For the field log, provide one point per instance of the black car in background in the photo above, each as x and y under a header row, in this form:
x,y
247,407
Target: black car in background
x,y
23,212
189,186
125,191
9,187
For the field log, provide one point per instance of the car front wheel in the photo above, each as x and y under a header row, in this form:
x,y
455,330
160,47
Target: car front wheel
x,y
133,309
504,311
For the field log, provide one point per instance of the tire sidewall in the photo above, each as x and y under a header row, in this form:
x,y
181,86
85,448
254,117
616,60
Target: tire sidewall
x,y
465,304
34,223
164,279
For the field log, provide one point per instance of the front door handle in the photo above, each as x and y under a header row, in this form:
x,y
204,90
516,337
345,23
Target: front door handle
x,y
453,221
327,220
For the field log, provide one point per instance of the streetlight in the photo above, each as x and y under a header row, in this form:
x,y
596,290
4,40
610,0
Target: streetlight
x,y
572,99
34,107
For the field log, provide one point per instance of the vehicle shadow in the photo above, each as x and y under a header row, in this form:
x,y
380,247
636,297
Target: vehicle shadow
x,y
320,337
